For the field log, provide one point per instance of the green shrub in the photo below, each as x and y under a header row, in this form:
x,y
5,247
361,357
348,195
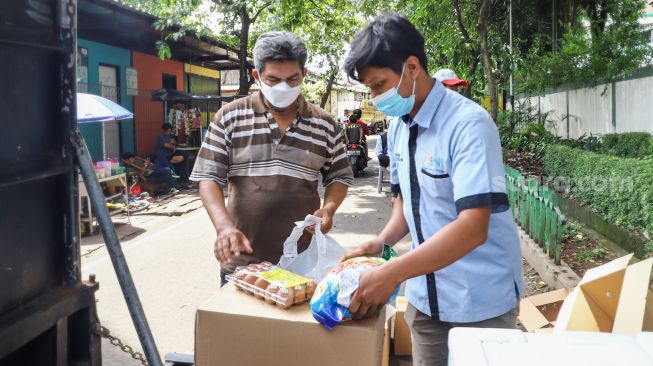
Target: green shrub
x,y
620,189
524,130
629,145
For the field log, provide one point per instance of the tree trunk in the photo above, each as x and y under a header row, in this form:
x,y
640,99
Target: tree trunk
x,y
475,57
472,70
487,61
245,77
327,91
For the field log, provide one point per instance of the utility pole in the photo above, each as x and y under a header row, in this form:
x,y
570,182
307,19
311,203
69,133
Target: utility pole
x,y
553,26
512,94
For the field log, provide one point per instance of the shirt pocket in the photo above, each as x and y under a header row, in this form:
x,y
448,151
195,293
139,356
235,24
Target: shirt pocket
x,y
437,186
435,174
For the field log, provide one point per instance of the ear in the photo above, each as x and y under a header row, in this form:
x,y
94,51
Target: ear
x,y
255,74
305,72
413,67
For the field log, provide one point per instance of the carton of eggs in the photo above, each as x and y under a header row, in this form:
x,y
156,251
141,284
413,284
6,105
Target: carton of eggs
x,y
273,284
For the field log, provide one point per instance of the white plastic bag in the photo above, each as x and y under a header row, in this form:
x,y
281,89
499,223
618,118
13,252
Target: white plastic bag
x,y
318,259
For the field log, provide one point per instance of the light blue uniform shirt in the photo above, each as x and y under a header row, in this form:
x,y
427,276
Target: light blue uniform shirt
x,y
448,159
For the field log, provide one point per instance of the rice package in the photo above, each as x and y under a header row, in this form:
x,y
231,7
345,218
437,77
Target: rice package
x,y
330,303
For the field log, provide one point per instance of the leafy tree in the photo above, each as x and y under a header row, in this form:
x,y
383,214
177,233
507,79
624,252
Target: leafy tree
x,y
326,27
598,40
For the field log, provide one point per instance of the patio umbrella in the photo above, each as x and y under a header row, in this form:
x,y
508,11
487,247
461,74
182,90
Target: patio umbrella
x,y
94,108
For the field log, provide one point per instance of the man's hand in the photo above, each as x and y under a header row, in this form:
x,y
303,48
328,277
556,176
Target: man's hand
x,y
372,248
374,291
230,243
327,221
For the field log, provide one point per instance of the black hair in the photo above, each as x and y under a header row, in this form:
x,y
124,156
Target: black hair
x,y
166,126
385,42
356,115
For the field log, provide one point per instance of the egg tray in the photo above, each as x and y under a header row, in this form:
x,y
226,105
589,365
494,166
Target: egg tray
x,y
254,290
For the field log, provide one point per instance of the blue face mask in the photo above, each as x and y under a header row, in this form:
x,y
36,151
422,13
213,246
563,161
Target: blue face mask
x,y
392,104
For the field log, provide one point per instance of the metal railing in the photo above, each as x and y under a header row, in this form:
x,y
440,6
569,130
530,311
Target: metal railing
x,y
533,208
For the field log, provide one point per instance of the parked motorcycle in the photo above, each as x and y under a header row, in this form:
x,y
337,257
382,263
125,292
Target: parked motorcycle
x,y
357,158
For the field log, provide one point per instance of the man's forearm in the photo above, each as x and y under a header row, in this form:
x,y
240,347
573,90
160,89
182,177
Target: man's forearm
x,y
213,200
333,196
449,244
397,227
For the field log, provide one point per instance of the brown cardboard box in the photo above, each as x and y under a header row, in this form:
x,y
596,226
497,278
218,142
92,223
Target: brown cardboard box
x,y
613,298
385,358
234,328
538,313
402,341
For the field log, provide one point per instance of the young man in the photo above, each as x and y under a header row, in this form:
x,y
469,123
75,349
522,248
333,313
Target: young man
x,y
271,147
449,79
464,267
165,148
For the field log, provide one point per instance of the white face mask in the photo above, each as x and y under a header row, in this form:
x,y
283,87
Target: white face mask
x,y
281,95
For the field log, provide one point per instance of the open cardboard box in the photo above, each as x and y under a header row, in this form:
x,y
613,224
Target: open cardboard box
x,y
538,313
401,331
613,297
234,328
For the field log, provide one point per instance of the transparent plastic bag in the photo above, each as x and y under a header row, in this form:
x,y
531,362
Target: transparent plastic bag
x,y
318,259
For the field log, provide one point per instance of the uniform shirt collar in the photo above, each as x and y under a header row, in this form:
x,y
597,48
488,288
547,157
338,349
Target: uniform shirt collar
x,y
426,113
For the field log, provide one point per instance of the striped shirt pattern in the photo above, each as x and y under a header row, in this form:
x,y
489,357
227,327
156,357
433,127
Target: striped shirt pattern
x,y
244,141
273,179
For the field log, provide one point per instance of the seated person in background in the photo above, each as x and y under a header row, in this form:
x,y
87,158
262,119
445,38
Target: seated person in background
x,y
149,172
382,150
165,147
356,118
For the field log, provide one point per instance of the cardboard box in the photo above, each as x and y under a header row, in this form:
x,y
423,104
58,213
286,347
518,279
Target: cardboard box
x,y
613,297
402,342
385,358
538,313
234,328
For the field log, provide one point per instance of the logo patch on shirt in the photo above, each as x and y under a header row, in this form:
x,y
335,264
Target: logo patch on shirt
x,y
433,163
398,157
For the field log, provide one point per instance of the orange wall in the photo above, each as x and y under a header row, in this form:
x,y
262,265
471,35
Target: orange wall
x,y
148,114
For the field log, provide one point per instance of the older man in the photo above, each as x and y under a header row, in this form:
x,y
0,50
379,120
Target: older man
x,y
271,147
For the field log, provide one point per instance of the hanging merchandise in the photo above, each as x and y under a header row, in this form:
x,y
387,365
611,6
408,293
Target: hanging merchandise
x,y
189,120
198,118
171,117
178,119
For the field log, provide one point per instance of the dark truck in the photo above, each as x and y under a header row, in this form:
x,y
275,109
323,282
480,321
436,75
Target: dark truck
x,y
47,312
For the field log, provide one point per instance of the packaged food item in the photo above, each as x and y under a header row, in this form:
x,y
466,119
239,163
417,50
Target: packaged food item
x,y
330,302
273,284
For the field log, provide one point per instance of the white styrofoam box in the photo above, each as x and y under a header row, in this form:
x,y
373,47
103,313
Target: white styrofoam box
x,y
508,347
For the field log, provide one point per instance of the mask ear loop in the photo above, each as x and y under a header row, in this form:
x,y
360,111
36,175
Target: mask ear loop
x,y
402,78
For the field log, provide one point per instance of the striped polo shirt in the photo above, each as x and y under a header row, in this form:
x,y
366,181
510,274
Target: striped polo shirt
x,y
273,179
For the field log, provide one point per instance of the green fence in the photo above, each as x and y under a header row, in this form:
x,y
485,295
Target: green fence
x,y
532,207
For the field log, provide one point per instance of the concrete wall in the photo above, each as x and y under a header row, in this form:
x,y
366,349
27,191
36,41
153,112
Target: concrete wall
x,y
620,106
149,113
635,106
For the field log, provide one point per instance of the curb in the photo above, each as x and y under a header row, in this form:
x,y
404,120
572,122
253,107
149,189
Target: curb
x,y
556,276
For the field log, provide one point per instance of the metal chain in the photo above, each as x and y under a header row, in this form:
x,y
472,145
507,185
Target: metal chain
x,y
103,332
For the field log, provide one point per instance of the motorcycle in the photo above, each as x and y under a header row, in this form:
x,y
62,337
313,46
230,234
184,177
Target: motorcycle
x,y
357,158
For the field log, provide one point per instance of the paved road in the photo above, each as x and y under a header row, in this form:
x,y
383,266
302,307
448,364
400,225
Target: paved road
x,y
172,263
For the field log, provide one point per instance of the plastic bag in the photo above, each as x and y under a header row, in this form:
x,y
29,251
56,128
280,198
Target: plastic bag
x,y
331,300
318,259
